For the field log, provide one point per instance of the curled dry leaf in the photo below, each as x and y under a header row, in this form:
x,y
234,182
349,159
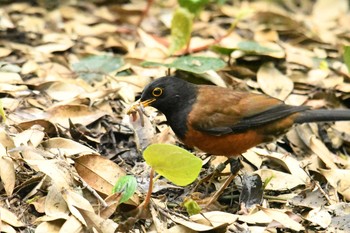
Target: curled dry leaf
x,y
291,164
48,127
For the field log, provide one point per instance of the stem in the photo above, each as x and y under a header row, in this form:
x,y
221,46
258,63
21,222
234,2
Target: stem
x,y
150,188
204,47
145,12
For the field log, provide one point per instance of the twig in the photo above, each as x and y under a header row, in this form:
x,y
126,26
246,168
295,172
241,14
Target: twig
x,y
85,185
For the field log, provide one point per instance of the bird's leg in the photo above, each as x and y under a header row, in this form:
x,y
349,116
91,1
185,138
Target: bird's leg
x,y
218,169
210,177
235,165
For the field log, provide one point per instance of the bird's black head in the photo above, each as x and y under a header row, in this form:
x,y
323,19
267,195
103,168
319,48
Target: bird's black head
x,y
169,94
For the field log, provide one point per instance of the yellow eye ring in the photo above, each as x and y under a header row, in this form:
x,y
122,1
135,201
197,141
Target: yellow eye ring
x,y
157,92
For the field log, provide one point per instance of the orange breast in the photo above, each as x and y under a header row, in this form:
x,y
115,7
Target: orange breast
x,y
234,144
229,145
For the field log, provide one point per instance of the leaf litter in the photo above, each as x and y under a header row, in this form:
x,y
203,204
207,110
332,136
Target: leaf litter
x,y
65,137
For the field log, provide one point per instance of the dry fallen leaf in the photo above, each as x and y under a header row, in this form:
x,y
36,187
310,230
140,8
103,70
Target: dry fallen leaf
x,y
66,147
283,218
273,82
279,180
320,217
206,221
55,205
101,174
71,225
7,174
77,113
10,218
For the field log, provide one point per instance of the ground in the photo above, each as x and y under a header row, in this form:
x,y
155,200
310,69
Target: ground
x,y
70,70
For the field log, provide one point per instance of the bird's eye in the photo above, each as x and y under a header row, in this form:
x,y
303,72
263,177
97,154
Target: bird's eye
x,y
157,92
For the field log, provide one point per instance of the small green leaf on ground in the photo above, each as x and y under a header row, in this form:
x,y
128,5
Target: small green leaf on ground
x,y
154,64
347,57
254,47
94,67
125,185
222,50
249,47
192,207
174,163
181,28
198,65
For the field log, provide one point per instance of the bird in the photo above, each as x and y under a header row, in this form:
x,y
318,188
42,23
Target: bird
x,y
222,121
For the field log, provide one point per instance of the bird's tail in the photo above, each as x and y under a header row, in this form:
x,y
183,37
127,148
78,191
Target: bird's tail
x,y
323,115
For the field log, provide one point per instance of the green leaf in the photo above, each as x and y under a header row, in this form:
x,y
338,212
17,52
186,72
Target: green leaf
x,y
222,50
193,6
250,47
94,67
153,64
198,65
181,28
347,57
174,163
125,185
192,207
254,47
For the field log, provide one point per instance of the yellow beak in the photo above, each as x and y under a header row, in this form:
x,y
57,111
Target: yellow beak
x,y
137,104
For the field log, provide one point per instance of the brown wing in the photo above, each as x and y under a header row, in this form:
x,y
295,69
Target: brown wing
x,y
235,111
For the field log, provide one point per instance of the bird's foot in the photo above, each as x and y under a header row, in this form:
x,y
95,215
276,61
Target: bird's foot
x,y
236,165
